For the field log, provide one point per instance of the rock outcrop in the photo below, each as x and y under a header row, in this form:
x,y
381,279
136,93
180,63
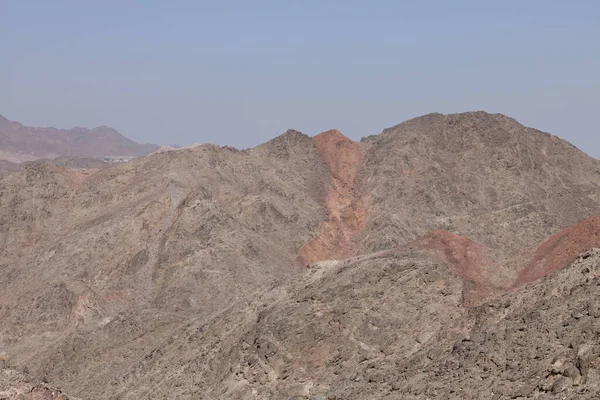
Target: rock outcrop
x,y
346,212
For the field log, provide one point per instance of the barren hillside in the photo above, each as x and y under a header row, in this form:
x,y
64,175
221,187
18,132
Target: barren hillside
x,y
315,267
482,175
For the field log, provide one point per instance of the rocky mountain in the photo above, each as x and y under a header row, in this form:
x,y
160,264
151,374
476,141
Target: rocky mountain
x,y
19,143
424,262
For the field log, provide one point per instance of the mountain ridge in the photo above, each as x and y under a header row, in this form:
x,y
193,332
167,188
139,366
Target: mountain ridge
x,y
49,142
184,273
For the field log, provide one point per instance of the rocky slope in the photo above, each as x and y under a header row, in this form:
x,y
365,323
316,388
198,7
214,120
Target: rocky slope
x,y
386,326
184,274
6,167
20,143
484,176
16,385
346,213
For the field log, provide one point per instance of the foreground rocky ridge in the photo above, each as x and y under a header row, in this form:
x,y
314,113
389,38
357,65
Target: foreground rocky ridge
x,y
183,274
386,326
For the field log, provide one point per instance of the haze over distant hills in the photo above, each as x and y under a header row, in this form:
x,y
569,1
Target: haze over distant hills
x,y
451,256
20,143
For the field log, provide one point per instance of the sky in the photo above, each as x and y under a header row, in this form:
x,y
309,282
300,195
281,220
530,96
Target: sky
x,y
242,72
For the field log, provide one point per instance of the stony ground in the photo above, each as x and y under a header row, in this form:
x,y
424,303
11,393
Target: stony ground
x,y
436,257
21,386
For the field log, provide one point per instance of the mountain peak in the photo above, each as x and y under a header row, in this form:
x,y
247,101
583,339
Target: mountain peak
x,y
285,145
332,134
104,128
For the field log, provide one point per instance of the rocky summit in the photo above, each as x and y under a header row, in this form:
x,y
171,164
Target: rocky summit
x,y
451,257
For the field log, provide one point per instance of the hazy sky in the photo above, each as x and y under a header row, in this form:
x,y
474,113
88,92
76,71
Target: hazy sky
x,y
242,72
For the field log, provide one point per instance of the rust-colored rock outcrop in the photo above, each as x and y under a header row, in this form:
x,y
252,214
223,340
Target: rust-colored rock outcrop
x,y
464,256
560,249
346,212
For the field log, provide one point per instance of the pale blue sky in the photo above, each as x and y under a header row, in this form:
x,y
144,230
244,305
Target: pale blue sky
x,y
242,72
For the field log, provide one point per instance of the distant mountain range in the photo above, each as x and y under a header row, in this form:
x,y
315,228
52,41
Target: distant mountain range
x,y
19,143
